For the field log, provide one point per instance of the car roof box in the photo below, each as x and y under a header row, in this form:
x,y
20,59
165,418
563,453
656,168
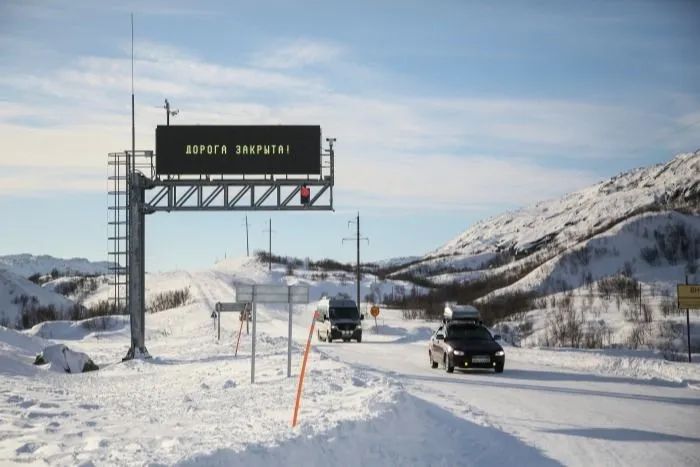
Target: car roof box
x,y
455,312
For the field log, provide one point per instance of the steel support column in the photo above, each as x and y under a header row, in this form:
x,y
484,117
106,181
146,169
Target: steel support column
x,y
137,269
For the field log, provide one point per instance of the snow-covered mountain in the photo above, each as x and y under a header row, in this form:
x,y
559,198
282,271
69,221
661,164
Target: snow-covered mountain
x,y
559,224
27,265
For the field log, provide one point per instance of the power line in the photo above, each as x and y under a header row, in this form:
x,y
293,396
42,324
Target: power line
x,y
661,138
357,238
247,243
269,252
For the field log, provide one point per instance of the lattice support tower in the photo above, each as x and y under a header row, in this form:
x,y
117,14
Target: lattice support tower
x,y
117,227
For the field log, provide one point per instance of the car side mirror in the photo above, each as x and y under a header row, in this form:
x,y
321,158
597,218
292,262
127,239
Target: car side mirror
x,y
497,337
362,317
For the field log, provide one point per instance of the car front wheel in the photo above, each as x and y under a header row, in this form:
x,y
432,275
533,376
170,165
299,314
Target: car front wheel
x,y
449,367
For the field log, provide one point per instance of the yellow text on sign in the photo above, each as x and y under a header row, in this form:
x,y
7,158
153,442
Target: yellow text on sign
x,y
689,296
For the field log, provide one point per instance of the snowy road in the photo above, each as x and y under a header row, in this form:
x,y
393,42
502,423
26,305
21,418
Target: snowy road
x,y
576,418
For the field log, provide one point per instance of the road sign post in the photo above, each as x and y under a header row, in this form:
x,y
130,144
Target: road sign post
x,y
224,307
374,311
272,293
688,297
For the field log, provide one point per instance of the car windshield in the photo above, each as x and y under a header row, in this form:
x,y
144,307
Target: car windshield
x,y
349,312
468,333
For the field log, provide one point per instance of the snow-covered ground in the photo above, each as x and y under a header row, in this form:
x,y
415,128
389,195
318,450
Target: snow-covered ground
x,y
374,403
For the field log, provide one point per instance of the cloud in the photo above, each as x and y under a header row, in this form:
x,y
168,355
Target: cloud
x,y
296,53
45,182
393,152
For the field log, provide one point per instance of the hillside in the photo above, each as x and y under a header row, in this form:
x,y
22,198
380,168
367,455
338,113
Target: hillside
x,y
18,295
27,265
651,248
557,224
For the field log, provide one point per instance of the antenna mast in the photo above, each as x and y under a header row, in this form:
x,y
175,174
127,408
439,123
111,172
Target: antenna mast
x,y
133,111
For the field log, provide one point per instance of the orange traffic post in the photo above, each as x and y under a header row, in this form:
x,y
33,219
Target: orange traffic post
x,y
303,369
240,331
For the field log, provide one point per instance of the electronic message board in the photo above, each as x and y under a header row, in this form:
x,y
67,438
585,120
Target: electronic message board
x,y
238,149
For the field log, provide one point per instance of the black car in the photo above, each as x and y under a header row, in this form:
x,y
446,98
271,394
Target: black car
x,y
465,345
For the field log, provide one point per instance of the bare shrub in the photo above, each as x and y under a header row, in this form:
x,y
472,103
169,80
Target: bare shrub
x,y
647,312
99,323
101,308
168,300
565,324
595,334
412,314
668,306
33,313
639,336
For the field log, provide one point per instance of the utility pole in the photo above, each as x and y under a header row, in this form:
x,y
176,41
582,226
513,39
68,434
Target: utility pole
x,y
357,238
247,244
169,112
269,251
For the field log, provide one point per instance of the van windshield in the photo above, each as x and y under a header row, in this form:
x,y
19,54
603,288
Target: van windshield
x,y
349,312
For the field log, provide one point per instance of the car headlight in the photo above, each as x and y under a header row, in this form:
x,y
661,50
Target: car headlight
x,y
500,353
458,352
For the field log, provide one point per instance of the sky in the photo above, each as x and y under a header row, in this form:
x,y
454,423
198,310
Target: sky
x,y
445,112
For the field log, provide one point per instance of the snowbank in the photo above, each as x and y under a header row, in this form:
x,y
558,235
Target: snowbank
x,y
194,398
618,363
62,359
410,432
77,330
17,351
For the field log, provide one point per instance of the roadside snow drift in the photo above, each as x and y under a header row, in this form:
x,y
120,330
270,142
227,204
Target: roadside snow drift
x,y
60,358
410,432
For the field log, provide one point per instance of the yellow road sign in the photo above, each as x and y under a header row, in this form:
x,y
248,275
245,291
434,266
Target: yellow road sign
x,y
689,296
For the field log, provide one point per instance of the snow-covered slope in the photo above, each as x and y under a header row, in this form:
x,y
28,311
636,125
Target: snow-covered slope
x,y
565,221
651,247
27,265
394,262
18,293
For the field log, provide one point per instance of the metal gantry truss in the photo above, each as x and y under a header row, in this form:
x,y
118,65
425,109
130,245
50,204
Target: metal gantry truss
x,y
237,195
136,190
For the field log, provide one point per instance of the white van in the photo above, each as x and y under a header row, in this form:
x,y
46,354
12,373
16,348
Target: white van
x,y
338,318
